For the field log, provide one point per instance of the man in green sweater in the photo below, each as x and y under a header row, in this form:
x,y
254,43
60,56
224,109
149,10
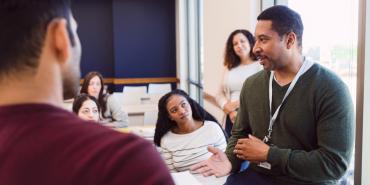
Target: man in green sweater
x,y
295,122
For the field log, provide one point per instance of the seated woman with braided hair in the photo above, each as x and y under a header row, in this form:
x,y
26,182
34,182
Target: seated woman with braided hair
x,y
182,133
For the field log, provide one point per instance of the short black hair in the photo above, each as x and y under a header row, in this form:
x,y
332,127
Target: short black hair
x,y
23,26
284,20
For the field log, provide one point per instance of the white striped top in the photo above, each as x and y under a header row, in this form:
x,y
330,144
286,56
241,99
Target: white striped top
x,y
180,151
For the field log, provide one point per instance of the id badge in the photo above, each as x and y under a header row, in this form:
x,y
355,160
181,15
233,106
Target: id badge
x,y
265,165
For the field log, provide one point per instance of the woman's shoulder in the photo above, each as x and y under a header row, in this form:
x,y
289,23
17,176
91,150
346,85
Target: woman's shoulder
x,y
172,140
211,125
110,98
165,138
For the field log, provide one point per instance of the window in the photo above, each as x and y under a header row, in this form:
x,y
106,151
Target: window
x,y
331,38
190,46
194,48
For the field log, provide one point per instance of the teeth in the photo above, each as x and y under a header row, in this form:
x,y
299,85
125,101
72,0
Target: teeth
x,y
259,57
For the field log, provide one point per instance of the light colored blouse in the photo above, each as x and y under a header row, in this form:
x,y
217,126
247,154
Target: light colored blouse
x,y
114,113
180,151
232,82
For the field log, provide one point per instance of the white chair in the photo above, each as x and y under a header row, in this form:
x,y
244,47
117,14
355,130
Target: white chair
x,y
131,99
154,98
128,98
159,88
132,95
150,117
135,89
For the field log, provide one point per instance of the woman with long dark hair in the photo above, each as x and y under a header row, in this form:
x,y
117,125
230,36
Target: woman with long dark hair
x,y
240,63
111,110
184,130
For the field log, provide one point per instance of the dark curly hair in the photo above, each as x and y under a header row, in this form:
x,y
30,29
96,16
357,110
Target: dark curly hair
x,y
80,99
165,124
232,60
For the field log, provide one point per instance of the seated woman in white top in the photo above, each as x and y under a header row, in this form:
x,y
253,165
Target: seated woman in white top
x,y
86,107
182,135
111,109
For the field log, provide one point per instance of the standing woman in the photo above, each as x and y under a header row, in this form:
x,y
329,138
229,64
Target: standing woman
x,y
240,63
111,110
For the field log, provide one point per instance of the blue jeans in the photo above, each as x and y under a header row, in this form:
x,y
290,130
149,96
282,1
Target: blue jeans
x,y
228,126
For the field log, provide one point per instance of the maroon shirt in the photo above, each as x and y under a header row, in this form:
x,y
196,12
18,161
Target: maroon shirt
x,y
41,144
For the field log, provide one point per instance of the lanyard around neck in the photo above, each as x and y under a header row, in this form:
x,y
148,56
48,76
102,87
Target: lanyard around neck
x,y
305,66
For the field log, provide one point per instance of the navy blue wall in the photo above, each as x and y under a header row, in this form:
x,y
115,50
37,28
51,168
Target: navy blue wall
x,y
127,38
95,29
144,38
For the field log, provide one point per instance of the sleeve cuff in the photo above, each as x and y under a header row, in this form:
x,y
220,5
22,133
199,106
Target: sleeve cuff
x,y
278,157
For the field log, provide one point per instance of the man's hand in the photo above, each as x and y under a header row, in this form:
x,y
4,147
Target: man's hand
x,y
218,164
251,149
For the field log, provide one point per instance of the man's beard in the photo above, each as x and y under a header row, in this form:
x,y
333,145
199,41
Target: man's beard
x,y
71,82
70,88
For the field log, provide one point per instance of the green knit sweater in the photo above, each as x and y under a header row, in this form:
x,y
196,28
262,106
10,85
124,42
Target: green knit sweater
x,y
313,135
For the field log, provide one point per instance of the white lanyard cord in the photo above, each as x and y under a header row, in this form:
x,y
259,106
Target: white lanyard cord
x,y
305,66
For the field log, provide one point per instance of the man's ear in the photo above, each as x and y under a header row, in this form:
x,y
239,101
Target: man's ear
x,y
59,39
291,39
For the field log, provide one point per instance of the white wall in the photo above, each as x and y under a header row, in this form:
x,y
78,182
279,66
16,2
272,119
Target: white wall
x,y
220,18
